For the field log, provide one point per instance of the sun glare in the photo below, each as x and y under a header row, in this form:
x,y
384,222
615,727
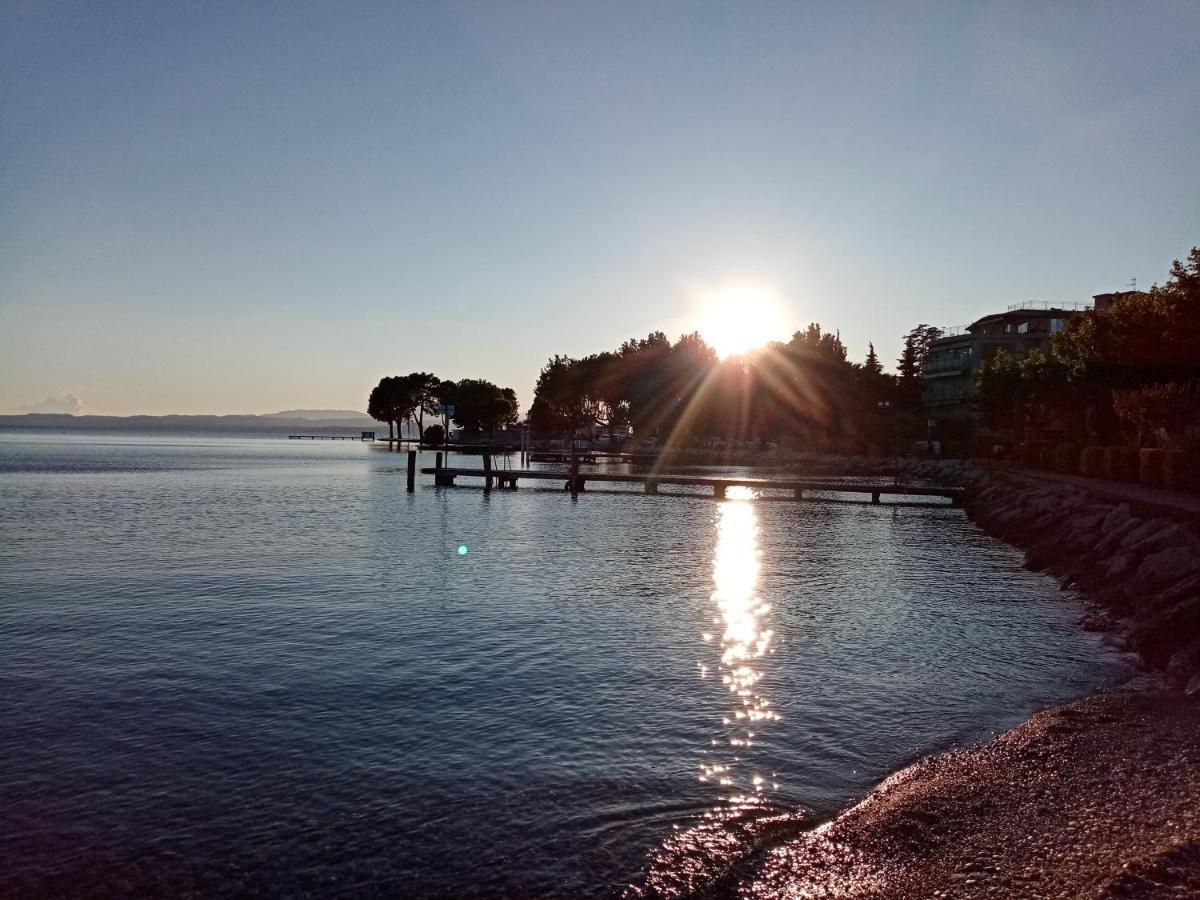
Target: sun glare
x,y
734,320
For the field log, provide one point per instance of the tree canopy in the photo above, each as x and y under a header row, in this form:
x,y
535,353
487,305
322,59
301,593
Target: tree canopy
x,y
479,405
678,393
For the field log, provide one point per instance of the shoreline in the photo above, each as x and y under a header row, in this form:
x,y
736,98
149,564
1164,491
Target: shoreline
x,y
1097,797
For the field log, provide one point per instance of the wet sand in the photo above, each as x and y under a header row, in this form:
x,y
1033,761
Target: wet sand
x,y
1098,798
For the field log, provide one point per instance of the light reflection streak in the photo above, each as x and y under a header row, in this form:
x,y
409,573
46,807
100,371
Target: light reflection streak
x,y
744,641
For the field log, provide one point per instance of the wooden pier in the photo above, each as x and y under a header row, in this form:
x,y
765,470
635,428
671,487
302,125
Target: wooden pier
x,y
576,482
365,436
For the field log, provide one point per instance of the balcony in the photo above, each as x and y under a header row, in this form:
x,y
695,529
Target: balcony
x,y
1050,304
961,365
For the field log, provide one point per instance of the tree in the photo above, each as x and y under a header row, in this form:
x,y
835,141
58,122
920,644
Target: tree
x,y
1159,410
872,364
1144,337
560,401
917,344
422,388
377,408
391,401
433,435
480,405
999,390
916,350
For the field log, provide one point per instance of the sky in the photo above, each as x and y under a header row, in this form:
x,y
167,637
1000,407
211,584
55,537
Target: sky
x,y
249,207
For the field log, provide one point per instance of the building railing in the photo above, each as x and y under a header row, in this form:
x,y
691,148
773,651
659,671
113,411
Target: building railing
x,y
953,331
963,364
1050,304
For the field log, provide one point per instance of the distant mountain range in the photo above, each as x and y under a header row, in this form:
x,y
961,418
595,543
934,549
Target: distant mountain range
x,y
318,415
295,421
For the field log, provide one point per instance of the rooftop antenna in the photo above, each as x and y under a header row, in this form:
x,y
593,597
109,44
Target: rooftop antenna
x,y
1132,283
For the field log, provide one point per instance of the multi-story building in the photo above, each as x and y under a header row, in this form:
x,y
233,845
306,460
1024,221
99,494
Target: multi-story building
x,y
949,372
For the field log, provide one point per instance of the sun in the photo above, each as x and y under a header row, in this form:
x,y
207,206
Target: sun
x,y
740,318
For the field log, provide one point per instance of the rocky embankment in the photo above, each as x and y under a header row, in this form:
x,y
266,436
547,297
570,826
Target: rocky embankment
x,y
1138,569
1099,798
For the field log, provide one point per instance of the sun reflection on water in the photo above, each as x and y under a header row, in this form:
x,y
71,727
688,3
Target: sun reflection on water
x,y
744,641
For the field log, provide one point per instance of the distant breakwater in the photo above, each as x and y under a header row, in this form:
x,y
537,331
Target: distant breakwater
x,y
1138,568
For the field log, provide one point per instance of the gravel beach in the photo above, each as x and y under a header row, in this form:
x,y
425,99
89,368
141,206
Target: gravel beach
x,y
1099,798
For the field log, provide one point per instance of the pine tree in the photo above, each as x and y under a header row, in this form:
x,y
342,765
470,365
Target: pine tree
x,y
872,365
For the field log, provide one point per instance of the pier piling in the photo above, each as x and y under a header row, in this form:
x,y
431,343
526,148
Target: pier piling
x,y
412,470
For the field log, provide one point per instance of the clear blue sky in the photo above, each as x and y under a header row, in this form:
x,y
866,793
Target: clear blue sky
x,y
245,207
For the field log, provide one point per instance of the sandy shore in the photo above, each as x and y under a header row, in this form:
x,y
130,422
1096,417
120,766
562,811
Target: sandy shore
x,y
1099,798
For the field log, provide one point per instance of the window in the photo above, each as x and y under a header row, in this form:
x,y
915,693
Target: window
x,y
1023,328
1056,325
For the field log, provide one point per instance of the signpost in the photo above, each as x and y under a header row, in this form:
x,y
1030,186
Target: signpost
x,y
446,410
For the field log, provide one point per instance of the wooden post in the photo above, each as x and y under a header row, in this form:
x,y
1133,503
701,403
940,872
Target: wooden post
x,y
487,471
412,470
875,497
799,493
440,479
719,491
574,482
651,485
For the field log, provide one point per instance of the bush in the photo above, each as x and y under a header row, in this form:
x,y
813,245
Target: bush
x,y
1066,458
1181,470
434,434
1150,466
1091,462
1121,463
1027,455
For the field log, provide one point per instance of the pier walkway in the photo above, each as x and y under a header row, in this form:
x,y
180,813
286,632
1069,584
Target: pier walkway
x,y
576,482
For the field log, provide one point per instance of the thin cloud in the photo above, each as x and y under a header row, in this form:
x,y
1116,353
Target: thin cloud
x,y
67,403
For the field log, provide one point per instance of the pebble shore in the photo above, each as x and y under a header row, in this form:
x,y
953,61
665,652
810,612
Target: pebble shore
x,y
1099,798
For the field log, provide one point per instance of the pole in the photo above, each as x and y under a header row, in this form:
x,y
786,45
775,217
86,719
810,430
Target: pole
x,y
412,470
487,471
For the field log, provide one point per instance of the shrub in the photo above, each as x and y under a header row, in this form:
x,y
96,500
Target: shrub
x,y
1091,462
1181,470
1066,458
1121,463
1150,466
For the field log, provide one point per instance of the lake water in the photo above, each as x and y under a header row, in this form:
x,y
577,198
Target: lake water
x,y
260,667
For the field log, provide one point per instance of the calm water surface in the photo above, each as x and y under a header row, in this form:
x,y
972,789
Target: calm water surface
x,y
258,667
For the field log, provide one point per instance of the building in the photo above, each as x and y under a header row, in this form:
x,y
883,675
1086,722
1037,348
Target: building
x,y
948,375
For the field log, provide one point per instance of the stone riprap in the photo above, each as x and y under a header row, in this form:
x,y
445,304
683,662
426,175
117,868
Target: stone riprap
x,y
1137,568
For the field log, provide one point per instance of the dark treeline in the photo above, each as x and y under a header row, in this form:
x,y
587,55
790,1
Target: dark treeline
x,y
804,393
1126,375
478,406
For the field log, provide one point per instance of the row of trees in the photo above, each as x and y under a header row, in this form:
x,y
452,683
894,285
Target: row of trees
x,y
405,400
1128,374
804,391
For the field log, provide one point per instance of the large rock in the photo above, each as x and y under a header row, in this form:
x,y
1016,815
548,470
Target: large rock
x,y
1166,568
1158,637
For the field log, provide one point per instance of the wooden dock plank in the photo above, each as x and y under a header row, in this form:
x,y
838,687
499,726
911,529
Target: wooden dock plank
x,y
719,484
